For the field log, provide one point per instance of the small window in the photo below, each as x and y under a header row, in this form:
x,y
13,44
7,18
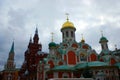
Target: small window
x,y
102,46
72,34
63,35
106,46
83,57
67,35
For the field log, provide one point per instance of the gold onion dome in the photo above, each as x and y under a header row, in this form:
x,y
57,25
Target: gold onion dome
x,y
68,24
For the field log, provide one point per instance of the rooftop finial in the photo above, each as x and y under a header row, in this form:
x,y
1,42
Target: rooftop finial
x,y
82,38
67,16
13,39
36,31
115,47
52,36
30,39
102,33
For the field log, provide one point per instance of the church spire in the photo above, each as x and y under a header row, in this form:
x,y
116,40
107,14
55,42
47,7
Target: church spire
x,y
102,33
30,40
10,62
36,38
115,47
36,31
12,48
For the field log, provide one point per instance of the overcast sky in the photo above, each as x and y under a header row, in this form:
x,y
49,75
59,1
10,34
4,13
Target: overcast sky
x,y
18,20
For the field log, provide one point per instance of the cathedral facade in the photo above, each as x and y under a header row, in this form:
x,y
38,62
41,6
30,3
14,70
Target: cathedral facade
x,y
67,60
72,59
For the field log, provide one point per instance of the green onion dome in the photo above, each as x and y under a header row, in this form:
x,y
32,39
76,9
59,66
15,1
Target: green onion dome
x,y
52,44
103,39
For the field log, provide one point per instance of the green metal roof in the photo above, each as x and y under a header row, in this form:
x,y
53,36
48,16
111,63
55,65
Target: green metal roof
x,y
103,39
118,65
62,51
63,67
52,44
90,64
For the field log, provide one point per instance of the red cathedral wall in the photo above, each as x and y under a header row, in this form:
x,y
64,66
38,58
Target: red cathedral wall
x,y
51,63
93,57
101,60
112,61
50,75
60,74
13,73
65,58
71,58
60,63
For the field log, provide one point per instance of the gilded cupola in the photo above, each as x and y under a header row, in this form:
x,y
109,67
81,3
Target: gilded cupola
x,y
68,24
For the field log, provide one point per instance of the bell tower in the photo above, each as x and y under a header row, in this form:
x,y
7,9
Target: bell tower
x,y
52,46
10,72
103,41
10,62
68,31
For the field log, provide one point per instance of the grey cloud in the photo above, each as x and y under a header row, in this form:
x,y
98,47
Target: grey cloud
x,y
17,18
20,19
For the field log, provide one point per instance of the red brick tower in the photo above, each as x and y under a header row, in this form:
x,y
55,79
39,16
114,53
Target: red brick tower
x,y
10,72
32,56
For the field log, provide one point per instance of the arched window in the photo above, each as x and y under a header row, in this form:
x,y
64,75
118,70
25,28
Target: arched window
x,y
9,77
102,46
83,57
51,63
112,61
93,57
67,35
72,34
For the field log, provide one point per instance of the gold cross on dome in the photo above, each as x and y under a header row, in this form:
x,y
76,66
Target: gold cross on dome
x,y
52,36
67,14
82,36
102,33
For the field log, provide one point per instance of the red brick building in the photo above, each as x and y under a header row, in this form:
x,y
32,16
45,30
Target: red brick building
x,y
10,72
33,55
